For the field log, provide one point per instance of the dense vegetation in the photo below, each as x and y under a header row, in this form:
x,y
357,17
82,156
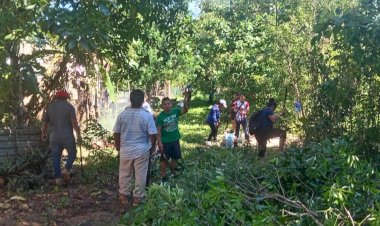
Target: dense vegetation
x,y
323,53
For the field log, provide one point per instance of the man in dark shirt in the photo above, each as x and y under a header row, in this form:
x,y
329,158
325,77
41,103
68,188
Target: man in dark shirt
x,y
267,118
59,121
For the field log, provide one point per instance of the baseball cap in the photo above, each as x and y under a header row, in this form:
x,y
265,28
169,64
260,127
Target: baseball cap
x,y
223,102
62,93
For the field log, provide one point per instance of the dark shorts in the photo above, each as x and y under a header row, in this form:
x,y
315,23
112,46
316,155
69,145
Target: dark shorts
x,y
172,150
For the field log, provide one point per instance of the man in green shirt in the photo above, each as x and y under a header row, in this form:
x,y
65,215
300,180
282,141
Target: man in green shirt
x,y
168,135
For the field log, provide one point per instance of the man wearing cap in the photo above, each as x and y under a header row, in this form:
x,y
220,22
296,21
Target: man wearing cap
x,y
213,120
59,121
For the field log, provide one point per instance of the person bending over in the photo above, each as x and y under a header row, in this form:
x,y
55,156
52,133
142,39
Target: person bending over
x,y
267,131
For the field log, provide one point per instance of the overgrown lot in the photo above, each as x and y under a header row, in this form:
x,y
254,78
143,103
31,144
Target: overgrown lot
x,y
327,183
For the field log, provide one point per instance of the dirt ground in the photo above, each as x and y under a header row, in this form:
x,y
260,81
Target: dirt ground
x,y
78,204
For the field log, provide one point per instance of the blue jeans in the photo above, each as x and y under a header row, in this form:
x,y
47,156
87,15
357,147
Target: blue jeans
x,y
57,149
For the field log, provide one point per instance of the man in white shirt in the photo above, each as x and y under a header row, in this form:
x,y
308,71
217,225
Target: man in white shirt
x,y
135,138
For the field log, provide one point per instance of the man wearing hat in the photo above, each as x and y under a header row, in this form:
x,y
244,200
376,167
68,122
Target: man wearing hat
x,y
59,121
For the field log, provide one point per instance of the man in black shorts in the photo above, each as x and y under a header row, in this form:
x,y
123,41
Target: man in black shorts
x,y
168,135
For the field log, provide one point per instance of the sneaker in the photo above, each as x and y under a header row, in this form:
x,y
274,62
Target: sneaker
x,y
137,201
164,179
66,176
208,143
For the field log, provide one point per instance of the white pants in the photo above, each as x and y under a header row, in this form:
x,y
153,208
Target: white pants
x,y
137,168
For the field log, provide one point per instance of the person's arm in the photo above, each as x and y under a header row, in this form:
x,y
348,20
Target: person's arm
x,y
44,131
152,138
217,116
274,118
159,140
235,108
185,109
152,131
214,116
74,123
116,137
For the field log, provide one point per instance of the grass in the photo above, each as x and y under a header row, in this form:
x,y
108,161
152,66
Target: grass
x,y
202,164
192,197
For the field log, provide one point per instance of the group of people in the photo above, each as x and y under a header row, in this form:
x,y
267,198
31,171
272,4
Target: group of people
x,y
239,116
137,134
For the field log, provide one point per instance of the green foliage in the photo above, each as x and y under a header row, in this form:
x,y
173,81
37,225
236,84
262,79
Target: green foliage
x,y
101,161
25,171
345,100
17,68
95,132
327,183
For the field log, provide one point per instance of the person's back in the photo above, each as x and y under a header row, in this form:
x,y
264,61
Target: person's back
x,y
133,124
264,117
214,114
59,121
59,114
135,137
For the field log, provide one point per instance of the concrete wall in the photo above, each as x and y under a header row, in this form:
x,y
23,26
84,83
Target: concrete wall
x,y
19,141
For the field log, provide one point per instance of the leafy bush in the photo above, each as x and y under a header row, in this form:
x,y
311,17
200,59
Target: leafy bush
x,y
102,167
95,135
25,171
322,184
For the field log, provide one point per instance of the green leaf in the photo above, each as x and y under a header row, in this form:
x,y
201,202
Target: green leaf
x,y
72,44
84,45
29,79
30,7
104,10
9,37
